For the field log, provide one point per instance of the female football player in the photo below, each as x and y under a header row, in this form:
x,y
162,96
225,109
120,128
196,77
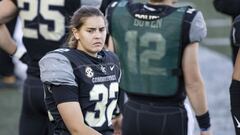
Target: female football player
x,y
81,82
44,29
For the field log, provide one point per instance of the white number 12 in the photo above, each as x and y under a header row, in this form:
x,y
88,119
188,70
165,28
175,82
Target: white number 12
x,y
143,58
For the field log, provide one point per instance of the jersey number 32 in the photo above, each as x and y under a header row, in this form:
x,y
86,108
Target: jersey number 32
x,y
102,106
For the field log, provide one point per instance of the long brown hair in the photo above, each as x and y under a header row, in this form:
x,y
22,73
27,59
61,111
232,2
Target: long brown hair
x,y
78,19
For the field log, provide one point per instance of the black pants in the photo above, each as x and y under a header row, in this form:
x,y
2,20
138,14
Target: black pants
x,y
149,119
34,119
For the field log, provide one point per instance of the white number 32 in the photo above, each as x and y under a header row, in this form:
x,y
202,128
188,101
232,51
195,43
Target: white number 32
x,y
104,108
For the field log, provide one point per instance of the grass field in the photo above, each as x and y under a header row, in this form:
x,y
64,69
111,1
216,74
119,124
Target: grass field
x,y
217,40
10,103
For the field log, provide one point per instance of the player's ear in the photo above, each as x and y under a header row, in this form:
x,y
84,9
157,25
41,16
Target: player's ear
x,y
75,33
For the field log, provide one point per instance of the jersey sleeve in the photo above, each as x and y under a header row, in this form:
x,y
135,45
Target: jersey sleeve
x,y
235,36
194,27
56,69
198,29
108,14
105,4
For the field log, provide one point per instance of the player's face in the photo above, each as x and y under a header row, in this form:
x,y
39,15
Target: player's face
x,y
91,35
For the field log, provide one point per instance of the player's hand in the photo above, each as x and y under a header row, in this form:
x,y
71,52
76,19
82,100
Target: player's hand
x,y
117,125
22,55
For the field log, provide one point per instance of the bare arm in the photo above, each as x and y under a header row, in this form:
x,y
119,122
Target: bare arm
x,y
236,71
6,42
73,118
194,82
8,10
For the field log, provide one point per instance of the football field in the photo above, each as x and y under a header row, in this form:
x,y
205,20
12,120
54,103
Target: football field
x,y
216,70
10,103
216,67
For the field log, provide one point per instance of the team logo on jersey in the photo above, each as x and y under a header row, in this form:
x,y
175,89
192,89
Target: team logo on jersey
x,y
49,89
112,67
238,123
89,72
103,69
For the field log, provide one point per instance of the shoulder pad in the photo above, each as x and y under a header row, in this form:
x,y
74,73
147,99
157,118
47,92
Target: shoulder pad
x,y
235,36
114,4
61,50
191,10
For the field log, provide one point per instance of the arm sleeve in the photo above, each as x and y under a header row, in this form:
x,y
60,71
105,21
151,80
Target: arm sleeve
x,y
235,33
108,14
57,74
64,93
105,4
120,103
198,29
56,69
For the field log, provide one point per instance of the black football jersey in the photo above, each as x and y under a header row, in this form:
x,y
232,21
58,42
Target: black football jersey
x,y
45,24
97,81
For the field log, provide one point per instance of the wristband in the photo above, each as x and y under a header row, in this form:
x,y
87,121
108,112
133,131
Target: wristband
x,y
19,52
204,129
204,121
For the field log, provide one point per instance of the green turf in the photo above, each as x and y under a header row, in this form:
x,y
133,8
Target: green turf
x,y
226,50
10,103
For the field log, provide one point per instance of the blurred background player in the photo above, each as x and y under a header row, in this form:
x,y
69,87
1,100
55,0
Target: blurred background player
x,y
44,29
232,9
235,85
12,71
158,47
7,75
81,81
